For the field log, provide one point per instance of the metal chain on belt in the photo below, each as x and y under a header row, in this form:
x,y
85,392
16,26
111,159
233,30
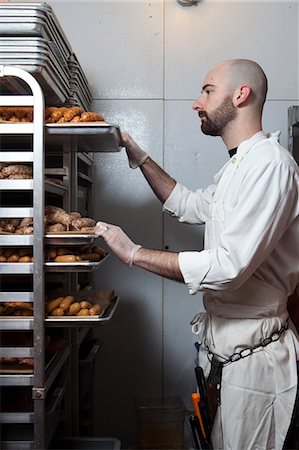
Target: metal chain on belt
x,y
275,336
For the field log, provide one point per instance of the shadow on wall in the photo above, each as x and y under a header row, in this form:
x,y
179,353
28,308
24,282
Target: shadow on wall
x,y
131,351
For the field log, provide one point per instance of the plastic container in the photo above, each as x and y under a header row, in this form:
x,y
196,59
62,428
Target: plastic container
x,y
86,443
160,423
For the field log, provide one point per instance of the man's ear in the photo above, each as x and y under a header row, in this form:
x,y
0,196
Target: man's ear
x,y
241,94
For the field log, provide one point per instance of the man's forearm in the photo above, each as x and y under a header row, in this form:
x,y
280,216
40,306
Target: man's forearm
x,y
161,183
160,262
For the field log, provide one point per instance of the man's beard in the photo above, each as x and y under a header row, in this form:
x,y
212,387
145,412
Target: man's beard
x,y
214,123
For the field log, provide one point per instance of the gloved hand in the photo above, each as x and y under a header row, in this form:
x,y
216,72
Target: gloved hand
x,y
136,155
118,241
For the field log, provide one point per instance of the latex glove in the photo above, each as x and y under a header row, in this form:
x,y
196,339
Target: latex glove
x,y
118,241
136,155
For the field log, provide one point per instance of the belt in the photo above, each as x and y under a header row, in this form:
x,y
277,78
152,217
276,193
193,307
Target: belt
x,y
218,362
275,336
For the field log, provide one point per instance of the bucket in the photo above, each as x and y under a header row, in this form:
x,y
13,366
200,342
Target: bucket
x,y
160,423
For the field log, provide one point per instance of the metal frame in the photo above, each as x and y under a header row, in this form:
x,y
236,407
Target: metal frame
x,y
293,135
36,129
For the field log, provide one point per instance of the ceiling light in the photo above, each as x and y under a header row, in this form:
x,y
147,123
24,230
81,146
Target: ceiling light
x,y
187,2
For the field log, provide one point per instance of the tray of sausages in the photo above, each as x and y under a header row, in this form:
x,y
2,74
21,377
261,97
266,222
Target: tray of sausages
x,y
82,305
78,258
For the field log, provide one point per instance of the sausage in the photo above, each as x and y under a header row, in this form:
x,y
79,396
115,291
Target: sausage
x,y
26,222
24,230
90,257
54,214
9,228
22,305
16,169
66,303
87,230
57,113
76,119
74,309
21,176
65,258
92,117
83,222
57,312
72,112
13,258
75,215
53,304
24,259
55,228
83,312
85,305
95,310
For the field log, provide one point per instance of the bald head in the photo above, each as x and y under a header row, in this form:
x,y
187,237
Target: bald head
x,y
245,71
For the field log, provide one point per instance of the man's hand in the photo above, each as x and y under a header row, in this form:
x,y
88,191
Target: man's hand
x,y
136,155
118,241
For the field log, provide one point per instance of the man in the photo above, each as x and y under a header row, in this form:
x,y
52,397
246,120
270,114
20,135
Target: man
x,y
250,264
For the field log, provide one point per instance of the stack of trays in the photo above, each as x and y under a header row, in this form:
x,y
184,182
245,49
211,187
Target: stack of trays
x,y
80,92
32,39
35,56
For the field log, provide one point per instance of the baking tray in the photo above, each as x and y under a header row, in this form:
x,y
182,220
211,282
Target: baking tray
x,y
88,134
70,238
105,316
16,368
80,266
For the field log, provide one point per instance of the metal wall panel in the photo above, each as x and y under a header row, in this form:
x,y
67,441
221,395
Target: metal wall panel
x,y
145,62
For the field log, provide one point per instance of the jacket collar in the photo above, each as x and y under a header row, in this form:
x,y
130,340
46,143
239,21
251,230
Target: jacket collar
x,y
243,148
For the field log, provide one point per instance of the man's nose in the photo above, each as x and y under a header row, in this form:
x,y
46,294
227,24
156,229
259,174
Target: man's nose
x,y
197,105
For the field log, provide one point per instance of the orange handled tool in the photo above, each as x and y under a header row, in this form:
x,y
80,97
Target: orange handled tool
x,y
196,399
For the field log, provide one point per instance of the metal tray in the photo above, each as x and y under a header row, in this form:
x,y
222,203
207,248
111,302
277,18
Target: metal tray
x,y
88,134
70,238
80,266
86,320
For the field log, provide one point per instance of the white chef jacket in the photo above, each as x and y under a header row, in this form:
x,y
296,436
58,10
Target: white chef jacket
x,y
249,267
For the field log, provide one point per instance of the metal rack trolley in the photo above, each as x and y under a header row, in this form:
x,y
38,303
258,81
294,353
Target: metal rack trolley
x,y
74,139
36,129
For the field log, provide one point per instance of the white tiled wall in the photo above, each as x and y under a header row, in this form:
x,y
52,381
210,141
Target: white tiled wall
x,y
145,61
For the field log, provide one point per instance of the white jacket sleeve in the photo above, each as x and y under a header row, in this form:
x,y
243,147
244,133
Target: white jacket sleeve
x,y
267,202
188,206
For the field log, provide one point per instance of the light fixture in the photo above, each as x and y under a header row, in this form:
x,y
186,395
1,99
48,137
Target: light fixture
x,y
187,2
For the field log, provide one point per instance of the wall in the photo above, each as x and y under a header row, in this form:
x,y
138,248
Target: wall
x,y
145,62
